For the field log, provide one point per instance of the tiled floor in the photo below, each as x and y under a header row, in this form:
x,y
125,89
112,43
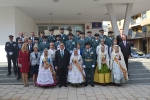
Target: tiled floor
x,y
125,92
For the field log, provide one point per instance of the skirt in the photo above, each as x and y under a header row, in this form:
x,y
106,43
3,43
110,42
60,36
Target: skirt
x,y
34,69
102,75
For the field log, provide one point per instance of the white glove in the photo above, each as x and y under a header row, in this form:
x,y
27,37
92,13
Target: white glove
x,y
93,66
83,66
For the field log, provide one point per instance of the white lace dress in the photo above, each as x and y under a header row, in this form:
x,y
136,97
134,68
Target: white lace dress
x,y
45,77
75,76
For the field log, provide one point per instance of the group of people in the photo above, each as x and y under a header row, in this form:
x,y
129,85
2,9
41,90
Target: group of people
x,y
69,58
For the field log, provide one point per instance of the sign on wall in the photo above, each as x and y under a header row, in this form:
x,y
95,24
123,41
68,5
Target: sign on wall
x,y
96,25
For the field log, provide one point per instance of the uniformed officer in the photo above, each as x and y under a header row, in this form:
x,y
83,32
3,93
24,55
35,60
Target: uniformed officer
x,y
88,57
51,37
57,42
96,42
109,40
41,37
70,44
77,36
89,38
64,37
43,44
10,48
36,41
102,36
70,32
82,41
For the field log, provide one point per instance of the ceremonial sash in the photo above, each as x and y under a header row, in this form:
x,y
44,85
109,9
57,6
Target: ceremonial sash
x,y
122,69
79,68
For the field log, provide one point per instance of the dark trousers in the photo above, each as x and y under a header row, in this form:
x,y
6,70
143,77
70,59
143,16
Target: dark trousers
x,y
89,72
126,61
18,70
13,58
62,73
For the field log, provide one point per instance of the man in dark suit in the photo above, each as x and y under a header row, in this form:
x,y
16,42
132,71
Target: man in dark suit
x,y
10,48
119,37
126,49
32,37
62,58
20,37
30,45
18,48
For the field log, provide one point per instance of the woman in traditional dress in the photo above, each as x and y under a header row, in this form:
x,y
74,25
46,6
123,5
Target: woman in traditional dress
x,y
119,72
102,72
35,60
76,74
111,49
102,42
24,63
52,51
46,74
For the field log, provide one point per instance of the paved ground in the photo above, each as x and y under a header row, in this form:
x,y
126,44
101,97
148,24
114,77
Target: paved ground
x,y
125,92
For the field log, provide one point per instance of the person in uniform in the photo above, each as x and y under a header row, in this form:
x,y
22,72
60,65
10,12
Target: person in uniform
x,y
57,42
77,36
82,41
102,36
89,38
109,40
41,37
64,37
96,41
18,48
70,44
51,37
43,44
70,32
10,48
88,57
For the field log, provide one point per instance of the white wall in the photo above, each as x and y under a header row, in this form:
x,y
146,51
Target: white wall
x,y
23,23
12,21
7,27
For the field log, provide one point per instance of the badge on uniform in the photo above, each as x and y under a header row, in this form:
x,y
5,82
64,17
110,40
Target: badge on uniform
x,y
91,53
73,42
63,38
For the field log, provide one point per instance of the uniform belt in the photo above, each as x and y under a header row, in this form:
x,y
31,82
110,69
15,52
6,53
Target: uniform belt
x,y
88,60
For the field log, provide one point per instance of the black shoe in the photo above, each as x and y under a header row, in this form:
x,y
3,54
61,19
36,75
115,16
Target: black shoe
x,y
92,85
85,84
65,85
8,74
18,78
103,84
60,86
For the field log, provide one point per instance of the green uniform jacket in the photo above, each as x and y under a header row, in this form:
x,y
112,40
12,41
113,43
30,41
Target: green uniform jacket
x,y
56,44
70,45
88,56
51,38
109,42
42,46
95,43
82,43
63,38
104,37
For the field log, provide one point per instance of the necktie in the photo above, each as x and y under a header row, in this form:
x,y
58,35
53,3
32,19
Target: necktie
x,y
124,43
62,54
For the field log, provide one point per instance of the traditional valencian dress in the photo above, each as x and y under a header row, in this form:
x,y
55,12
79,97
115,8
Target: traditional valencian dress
x,y
102,71
77,74
46,76
119,72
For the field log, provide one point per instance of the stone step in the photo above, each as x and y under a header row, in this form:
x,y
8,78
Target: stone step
x,y
138,80
140,75
138,71
12,80
16,83
6,76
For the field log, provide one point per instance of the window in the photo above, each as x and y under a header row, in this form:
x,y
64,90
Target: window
x,y
144,29
143,15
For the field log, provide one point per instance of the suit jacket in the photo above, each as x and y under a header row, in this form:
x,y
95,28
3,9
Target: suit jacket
x,y
88,56
126,50
19,38
62,62
34,60
32,39
31,48
18,49
11,47
119,39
